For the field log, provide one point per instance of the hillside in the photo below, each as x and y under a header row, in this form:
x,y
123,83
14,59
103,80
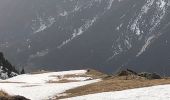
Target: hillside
x,y
148,93
84,85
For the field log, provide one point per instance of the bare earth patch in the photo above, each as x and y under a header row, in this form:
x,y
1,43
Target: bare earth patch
x,y
91,74
95,74
6,96
39,72
63,81
11,82
3,93
30,85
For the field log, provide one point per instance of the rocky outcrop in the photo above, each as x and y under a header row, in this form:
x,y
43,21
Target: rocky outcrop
x,y
149,75
146,75
13,98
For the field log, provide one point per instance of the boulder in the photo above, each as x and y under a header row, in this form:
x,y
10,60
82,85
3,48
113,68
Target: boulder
x,y
149,75
13,98
126,72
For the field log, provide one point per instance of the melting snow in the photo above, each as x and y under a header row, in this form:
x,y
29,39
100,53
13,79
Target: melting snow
x,y
36,86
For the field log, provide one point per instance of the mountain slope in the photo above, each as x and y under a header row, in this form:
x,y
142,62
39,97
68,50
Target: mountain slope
x,y
102,34
153,93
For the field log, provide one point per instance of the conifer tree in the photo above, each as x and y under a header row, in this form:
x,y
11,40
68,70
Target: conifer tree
x,y
22,71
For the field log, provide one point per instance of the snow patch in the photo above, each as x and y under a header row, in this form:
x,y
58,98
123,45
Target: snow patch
x,y
36,86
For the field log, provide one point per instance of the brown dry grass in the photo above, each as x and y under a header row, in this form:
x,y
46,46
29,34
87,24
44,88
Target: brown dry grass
x,y
3,93
39,72
95,74
90,73
62,81
11,82
30,85
6,96
114,84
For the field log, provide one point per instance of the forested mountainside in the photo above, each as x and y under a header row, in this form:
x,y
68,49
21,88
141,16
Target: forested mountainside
x,y
6,69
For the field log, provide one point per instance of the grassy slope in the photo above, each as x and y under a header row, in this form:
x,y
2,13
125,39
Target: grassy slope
x,y
113,83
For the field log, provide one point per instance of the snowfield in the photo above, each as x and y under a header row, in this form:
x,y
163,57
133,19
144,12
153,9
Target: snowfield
x,y
161,92
47,86
38,87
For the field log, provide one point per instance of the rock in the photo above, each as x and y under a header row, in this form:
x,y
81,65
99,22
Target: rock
x,y
149,75
13,98
123,73
126,72
132,72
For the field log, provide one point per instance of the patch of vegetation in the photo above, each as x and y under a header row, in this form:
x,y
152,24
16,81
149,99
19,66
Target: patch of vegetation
x,y
3,93
39,72
63,81
6,96
95,74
